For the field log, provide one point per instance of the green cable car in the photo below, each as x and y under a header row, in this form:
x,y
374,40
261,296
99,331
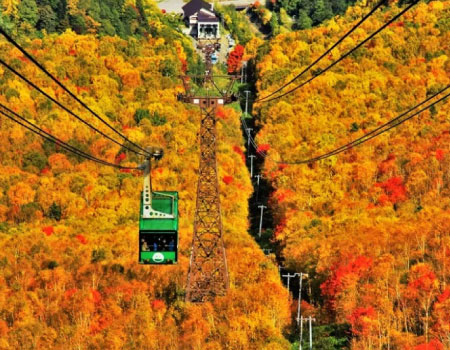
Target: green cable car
x,y
158,225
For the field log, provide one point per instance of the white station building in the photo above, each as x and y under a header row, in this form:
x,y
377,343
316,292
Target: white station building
x,y
202,20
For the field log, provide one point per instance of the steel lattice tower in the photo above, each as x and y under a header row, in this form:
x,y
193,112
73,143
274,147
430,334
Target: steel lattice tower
x,y
208,272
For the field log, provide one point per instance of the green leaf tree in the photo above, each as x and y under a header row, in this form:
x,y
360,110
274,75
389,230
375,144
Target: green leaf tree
x,y
303,21
28,11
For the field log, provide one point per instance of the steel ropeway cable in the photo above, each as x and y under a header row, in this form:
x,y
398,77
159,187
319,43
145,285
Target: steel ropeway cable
x,y
46,135
29,82
374,9
367,137
344,55
61,85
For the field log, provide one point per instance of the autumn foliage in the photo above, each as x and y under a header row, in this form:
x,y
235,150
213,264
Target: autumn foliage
x,y
371,224
48,230
360,320
394,190
69,276
432,345
227,179
234,60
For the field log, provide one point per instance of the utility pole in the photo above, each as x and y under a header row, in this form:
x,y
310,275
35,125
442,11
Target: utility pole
x,y
244,69
251,164
305,275
301,333
246,102
310,319
262,207
289,276
258,178
249,136
245,63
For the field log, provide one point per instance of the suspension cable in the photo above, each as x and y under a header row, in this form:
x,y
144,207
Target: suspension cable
x,y
391,122
391,126
369,136
44,134
374,9
346,54
51,76
65,108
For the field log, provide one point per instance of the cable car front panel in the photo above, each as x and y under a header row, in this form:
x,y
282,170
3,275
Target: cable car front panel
x,y
158,229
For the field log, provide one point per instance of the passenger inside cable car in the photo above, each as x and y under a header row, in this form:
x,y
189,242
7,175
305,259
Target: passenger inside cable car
x,y
158,242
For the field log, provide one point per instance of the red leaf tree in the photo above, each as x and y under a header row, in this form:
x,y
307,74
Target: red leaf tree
x,y
227,179
343,274
360,319
432,345
120,157
158,304
235,59
221,113
394,189
81,239
48,230
239,151
263,148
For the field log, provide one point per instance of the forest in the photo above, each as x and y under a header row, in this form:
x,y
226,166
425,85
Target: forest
x,y
371,225
69,275
308,13
110,17
281,16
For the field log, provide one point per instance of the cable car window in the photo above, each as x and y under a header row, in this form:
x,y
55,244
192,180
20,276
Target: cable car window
x,y
160,242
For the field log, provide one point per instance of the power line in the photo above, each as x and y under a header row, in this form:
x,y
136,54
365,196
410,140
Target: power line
x,y
346,54
65,108
252,140
377,6
372,134
44,134
51,76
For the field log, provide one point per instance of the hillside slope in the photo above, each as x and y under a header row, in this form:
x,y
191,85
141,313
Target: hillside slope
x,y
69,277
370,226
